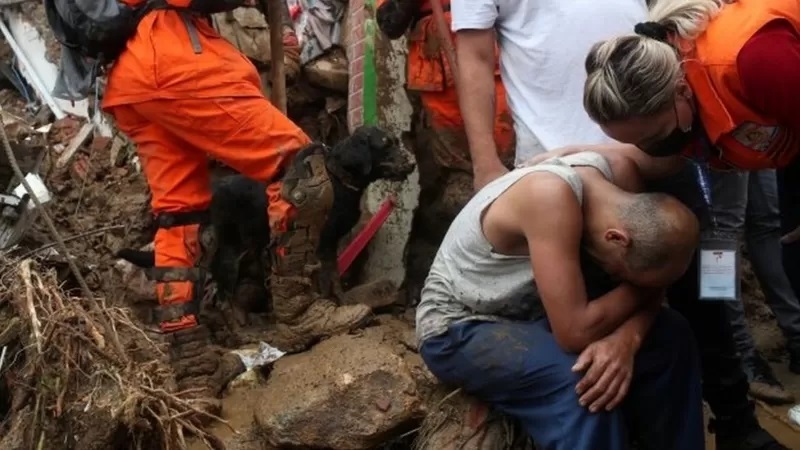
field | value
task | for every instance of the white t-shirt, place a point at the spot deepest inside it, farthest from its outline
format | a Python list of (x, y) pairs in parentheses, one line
[(543, 48)]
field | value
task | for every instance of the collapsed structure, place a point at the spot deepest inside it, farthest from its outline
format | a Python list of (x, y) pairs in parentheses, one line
[(87, 372)]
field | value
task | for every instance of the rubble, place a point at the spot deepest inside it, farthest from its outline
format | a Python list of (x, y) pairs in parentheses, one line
[(84, 373), (347, 393)]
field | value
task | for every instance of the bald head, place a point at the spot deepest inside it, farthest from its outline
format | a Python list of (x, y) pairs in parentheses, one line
[(661, 229)]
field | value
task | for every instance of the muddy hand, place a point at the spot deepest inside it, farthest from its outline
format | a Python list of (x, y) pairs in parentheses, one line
[(608, 369)]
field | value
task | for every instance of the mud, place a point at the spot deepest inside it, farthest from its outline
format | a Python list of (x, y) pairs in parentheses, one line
[(100, 207)]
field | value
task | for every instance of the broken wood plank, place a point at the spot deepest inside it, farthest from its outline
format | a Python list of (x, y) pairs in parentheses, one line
[(74, 144)]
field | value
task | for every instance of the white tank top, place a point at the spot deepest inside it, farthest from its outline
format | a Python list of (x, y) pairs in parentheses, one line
[(468, 281)]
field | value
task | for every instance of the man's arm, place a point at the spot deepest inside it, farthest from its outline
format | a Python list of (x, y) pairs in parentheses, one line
[(473, 21), (554, 239), (650, 168)]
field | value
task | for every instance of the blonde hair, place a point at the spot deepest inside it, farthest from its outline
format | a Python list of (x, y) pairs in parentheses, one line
[(635, 75)]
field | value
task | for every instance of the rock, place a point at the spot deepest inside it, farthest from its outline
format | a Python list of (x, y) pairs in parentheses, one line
[(347, 393), (329, 71), (375, 294), (247, 30), (100, 143)]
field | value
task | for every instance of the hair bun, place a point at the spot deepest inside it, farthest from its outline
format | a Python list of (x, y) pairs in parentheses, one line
[(652, 30)]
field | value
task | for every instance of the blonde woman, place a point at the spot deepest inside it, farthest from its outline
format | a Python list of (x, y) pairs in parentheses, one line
[(709, 79), (715, 82)]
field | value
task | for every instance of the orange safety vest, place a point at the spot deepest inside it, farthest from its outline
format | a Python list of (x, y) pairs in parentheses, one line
[(744, 138), (428, 70)]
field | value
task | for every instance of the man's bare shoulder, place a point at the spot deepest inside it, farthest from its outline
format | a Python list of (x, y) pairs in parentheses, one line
[(538, 193), (540, 206)]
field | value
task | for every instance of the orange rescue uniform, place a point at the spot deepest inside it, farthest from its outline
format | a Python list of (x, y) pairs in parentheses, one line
[(430, 74), (744, 138), (182, 93)]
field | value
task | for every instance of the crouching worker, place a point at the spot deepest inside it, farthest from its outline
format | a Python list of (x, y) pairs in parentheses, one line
[(182, 93), (505, 314)]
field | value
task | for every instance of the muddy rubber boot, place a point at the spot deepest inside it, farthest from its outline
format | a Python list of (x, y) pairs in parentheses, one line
[(763, 383), (322, 319), (196, 361), (303, 316)]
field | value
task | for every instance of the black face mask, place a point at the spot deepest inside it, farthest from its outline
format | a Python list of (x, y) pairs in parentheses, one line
[(675, 142), (671, 145)]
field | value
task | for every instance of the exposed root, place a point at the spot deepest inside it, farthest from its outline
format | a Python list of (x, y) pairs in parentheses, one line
[(64, 374)]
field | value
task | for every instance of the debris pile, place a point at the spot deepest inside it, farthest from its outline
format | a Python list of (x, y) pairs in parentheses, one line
[(80, 373)]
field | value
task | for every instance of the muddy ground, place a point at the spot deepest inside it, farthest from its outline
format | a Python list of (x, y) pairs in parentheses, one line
[(364, 390)]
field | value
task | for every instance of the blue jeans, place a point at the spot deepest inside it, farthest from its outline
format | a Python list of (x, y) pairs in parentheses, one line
[(746, 205), (520, 370)]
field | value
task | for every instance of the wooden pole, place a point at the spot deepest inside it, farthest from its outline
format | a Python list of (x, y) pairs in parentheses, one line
[(278, 71)]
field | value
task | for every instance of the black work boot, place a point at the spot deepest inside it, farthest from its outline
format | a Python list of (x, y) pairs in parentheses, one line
[(742, 435), (763, 383), (794, 360)]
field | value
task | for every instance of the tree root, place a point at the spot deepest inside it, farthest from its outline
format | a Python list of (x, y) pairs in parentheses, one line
[(65, 370)]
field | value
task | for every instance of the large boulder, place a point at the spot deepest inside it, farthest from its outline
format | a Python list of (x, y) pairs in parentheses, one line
[(347, 393)]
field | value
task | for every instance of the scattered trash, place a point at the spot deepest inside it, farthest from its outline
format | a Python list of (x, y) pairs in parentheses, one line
[(17, 210), (39, 189), (794, 415), (263, 355), (3, 357)]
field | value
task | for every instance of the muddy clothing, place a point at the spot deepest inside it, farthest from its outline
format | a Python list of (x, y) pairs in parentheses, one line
[(182, 93), (481, 327), (304, 317), (519, 369), (429, 74), (468, 281)]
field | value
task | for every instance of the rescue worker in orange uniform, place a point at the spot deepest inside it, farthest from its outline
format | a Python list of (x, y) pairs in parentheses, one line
[(430, 75), (182, 93), (443, 151)]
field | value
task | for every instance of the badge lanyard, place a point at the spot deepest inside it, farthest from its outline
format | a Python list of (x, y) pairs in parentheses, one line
[(718, 255)]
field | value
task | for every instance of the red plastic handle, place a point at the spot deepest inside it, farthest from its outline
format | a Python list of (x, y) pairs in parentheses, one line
[(357, 245)]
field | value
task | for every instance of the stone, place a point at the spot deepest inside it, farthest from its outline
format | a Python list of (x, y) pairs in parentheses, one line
[(347, 393), (100, 143), (247, 30), (375, 294), (329, 71)]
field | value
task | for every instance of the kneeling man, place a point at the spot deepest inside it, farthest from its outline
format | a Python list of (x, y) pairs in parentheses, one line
[(505, 313)]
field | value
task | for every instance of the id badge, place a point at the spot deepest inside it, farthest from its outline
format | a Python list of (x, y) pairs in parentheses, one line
[(718, 268)]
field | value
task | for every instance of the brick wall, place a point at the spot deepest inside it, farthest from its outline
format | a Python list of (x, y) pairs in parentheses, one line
[(355, 56)]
